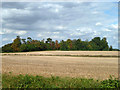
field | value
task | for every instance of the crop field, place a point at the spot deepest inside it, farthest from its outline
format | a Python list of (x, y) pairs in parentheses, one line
[(79, 53), (62, 63)]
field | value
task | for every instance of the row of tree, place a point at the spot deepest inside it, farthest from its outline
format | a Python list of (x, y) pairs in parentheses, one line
[(23, 45)]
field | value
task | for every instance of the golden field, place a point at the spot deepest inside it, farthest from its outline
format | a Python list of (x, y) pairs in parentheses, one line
[(36, 63)]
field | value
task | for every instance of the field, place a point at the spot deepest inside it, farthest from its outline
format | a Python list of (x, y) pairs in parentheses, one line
[(93, 64), (60, 69), (69, 53)]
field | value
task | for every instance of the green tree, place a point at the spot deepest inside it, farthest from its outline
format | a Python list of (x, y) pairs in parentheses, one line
[(23, 48), (7, 48), (110, 49), (69, 44), (29, 39), (63, 45), (49, 40), (16, 44), (74, 47), (104, 45), (23, 40), (37, 45), (96, 43)]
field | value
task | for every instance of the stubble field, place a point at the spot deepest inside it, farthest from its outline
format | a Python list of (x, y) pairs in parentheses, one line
[(65, 66)]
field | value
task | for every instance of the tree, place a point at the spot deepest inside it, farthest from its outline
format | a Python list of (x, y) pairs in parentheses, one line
[(57, 46), (63, 45), (23, 40), (23, 48), (53, 45), (74, 47), (96, 43), (69, 44), (29, 39), (43, 40), (16, 44), (7, 48), (37, 45), (49, 40), (78, 44), (110, 49), (104, 45)]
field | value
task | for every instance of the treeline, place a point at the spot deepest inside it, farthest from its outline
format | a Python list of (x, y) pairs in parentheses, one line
[(24, 45)]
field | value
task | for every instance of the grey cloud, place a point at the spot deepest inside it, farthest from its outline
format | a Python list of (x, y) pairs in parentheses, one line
[(17, 5), (40, 18)]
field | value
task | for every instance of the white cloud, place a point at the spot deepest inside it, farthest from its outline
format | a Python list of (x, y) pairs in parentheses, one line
[(7, 13), (71, 34), (115, 26), (67, 18), (5, 39), (115, 37), (20, 32), (85, 29), (60, 27), (1, 33), (39, 35), (52, 6), (56, 10), (96, 33), (112, 27), (107, 30), (6, 31), (98, 24), (56, 32), (56, 37), (95, 12)]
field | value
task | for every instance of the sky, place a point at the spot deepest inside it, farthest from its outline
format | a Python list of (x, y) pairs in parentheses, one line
[(60, 21)]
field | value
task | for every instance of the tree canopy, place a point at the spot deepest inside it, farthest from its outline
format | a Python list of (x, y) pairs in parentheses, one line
[(21, 45)]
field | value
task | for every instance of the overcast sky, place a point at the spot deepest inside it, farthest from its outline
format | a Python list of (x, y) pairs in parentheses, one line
[(60, 20)]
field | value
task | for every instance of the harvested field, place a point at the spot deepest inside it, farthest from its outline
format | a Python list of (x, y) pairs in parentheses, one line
[(87, 53), (64, 66)]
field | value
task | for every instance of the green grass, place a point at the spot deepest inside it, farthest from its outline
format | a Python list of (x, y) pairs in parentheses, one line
[(29, 81)]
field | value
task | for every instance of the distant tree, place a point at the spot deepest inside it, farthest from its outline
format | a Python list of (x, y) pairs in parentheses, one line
[(7, 48), (16, 44), (49, 40), (23, 40), (63, 45), (69, 44), (23, 48), (96, 43), (43, 40), (79, 44), (57, 45), (104, 44), (29, 39), (74, 47), (37, 45), (110, 49), (53, 45), (43, 46)]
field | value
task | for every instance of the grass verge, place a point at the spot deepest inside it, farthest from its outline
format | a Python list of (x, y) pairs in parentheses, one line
[(29, 81)]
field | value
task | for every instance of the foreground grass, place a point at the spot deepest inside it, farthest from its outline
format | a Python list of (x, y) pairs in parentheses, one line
[(29, 81)]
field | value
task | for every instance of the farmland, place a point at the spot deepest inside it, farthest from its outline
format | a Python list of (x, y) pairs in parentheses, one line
[(93, 64)]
